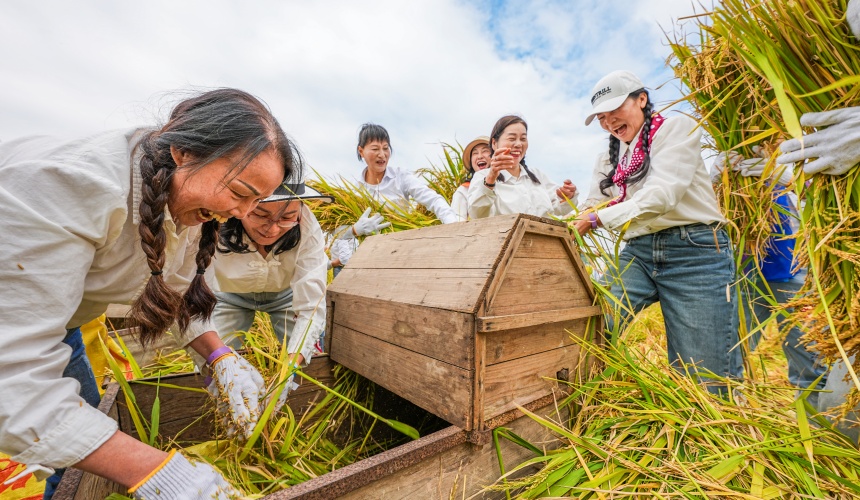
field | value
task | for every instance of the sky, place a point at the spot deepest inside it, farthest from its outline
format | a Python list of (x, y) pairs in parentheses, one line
[(431, 72)]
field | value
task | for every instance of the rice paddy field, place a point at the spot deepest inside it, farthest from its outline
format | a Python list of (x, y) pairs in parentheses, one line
[(637, 427)]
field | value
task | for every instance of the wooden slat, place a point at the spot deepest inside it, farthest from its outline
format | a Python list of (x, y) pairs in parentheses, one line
[(442, 335), (520, 381), (453, 290), (522, 320), (499, 273), (440, 388), (547, 227), (541, 246), (522, 342), (533, 285)]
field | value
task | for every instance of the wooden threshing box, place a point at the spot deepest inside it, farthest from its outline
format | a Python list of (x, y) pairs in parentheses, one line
[(465, 320)]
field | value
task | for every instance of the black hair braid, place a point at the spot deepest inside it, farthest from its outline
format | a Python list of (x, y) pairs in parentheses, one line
[(646, 145), (614, 147), (198, 299), (532, 176), (153, 311)]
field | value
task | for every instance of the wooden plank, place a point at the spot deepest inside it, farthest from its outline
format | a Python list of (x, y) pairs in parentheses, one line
[(463, 470), (440, 334), (440, 388), (500, 271), (533, 285), (522, 342), (522, 320), (541, 246), (480, 342), (523, 380), (453, 290), (547, 227)]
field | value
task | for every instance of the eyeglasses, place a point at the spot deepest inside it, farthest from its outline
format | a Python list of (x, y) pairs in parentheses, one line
[(284, 224)]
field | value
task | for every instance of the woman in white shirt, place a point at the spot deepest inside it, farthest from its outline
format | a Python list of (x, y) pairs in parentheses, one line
[(523, 189), (476, 157), (386, 183), (273, 261), (652, 186), (126, 217)]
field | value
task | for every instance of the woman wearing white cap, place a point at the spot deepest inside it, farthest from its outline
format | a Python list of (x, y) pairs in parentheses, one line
[(653, 187), (476, 157), (524, 189), (273, 261)]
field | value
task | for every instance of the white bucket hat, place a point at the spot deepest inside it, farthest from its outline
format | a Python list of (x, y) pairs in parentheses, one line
[(611, 92)]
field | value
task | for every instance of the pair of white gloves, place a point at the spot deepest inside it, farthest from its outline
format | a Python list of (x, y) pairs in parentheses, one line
[(365, 225), (836, 149)]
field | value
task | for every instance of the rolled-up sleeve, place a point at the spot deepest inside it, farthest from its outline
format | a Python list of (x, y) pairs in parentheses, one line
[(308, 285), (676, 145), (55, 215)]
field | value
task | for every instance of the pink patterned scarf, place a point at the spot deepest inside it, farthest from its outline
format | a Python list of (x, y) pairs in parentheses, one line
[(637, 158)]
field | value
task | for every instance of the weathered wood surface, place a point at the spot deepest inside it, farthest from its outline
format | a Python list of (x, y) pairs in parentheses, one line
[(522, 380), (521, 342), (439, 387), (491, 324), (440, 334), (532, 285)]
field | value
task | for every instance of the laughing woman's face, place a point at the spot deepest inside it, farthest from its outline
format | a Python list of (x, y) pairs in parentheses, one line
[(625, 121)]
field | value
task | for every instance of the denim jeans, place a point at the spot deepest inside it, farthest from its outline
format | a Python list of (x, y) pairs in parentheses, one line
[(803, 366), (689, 270), (836, 390), (79, 369), (235, 312)]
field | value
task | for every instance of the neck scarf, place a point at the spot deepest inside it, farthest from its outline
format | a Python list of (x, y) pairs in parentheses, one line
[(624, 170)]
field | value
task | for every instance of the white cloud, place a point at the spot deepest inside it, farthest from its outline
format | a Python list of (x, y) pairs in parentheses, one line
[(429, 71)]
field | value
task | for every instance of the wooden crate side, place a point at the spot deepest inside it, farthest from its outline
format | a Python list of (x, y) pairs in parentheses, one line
[(450, 289), (440, 388), (532, 285), (438, 333), (523, 380), (541, 246), (521, 342)]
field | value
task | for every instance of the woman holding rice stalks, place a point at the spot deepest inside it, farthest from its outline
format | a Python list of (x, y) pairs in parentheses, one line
[(127, 217), (476, 157), (525, 189), (653, 187), (391, 184), (273, 261)]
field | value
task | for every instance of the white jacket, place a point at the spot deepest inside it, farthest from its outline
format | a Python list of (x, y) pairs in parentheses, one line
[(70, 247), (516, 195), (677, 190), (460, 203), (399, 186), (303, 268)]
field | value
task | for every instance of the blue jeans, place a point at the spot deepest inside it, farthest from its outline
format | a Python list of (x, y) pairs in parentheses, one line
[(803, 366), (235, 312), (689, 270), (79, 368)]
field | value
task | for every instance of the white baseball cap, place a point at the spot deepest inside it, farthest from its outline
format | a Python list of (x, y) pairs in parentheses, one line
[(611, 92)]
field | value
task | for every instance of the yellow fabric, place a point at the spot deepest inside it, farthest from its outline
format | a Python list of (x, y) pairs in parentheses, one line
[(154, 472), (91, 333), (26, 488)]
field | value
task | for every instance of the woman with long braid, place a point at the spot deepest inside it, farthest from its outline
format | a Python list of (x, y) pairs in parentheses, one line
[(652, 186), (125, 217), (525, 189)]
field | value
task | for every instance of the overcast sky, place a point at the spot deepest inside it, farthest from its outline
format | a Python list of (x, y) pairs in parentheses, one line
[(429, 71)]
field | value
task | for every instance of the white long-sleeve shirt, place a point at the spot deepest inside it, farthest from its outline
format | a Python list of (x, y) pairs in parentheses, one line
[(303, 269), (516, 195), (460, 203), (343, 249), (399, 186), (677, 190), (70, 247)]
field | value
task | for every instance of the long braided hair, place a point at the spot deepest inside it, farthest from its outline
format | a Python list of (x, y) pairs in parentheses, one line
[(615, 147), (500, 126), (223, 123)]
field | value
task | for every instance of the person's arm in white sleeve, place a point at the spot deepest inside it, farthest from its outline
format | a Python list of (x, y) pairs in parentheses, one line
[(676, 154), (481, 198), (434, 201), (460, 203), (308, 285), (559, 207)]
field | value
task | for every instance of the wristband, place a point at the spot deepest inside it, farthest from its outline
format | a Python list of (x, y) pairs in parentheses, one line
[(593, 218), (488, 184), (217, 353)]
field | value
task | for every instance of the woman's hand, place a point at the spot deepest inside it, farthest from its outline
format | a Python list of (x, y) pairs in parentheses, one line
[(584, 224), (567, 191), (501, 160)]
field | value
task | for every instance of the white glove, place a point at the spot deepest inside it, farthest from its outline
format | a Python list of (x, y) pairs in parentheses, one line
[(178, 479), (837, 147), (290, 385), (754, 167), (852, 14), (369, 224), (241, 382)]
